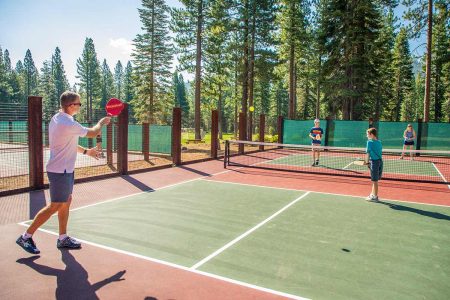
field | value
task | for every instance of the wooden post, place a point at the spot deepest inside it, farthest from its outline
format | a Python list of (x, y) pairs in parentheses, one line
[(214, 132), (327, 130), (262, 125), (122, 140), (146, 140), (35, 145), (242, 131), (109, 144), (280, 129), (10, 131), (420, 130), (176, 136)]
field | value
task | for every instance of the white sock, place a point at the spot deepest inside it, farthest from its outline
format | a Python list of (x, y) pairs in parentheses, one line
[(62, 236), (26, 235)]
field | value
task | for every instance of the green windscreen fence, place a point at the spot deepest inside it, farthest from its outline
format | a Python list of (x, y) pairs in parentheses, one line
[(391, 133), (297, 131), (161, 139), (347, 133), (435, 136)]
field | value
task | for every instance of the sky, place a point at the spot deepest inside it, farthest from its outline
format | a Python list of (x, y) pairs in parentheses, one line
[(43, 25)]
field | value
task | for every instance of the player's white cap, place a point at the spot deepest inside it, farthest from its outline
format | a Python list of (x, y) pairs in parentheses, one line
[(316, 121)]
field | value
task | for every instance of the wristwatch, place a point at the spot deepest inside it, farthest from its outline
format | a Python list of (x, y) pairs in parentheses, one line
[(85, 151)]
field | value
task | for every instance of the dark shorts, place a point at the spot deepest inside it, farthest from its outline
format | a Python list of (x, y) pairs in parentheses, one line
[(376, 169), (408, 143), (61, 186)]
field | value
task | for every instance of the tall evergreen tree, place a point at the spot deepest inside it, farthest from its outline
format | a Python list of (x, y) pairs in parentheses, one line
[(106, 83), (188, 24), (128, 84), (30, 75), (152, 59), (180, 96), (88, 69), (47, 90), (59, 74), (118, 79)]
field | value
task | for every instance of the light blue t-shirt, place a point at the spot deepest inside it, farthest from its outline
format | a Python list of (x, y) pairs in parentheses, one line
[(375, 149)]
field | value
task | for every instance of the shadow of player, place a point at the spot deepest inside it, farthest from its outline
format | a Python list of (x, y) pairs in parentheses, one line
[(72, 282)]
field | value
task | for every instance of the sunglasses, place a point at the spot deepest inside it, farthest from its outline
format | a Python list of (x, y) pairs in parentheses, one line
[(79, 104)]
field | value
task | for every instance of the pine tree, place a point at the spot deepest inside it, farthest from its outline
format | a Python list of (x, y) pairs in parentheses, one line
[(88, 69), (47, 90), (59, 74), (403, 80), (152, 59), (179, 91), (118, 79), (30, 75), (128, 84), (188, 24), (107, 84)]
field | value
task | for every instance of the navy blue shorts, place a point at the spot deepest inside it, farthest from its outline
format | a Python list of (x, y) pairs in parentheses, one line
[(61, 186), (408, 143), (376, 169)]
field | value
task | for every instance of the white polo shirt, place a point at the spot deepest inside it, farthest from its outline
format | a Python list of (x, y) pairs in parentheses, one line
[(63, 133)]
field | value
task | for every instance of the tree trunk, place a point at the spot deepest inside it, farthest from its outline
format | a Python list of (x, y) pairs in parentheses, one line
[(426, 104), (245, 70), (198, 69), (220, 112), (251, 72), (318, 89)]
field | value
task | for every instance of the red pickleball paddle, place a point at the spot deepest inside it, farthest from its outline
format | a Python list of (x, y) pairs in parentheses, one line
[(114, 107)]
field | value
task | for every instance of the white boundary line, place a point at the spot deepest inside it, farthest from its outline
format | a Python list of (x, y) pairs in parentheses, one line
[(180, 267), (218, 251), (442, 176), (325, 193)]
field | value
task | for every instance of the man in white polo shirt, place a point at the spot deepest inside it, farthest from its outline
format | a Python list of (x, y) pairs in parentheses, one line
[(64, 132)]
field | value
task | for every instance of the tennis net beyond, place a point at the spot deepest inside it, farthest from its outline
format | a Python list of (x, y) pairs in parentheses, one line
[(430, 166)]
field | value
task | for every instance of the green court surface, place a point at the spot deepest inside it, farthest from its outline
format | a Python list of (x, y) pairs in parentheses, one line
[(398, 166), (312, 245)]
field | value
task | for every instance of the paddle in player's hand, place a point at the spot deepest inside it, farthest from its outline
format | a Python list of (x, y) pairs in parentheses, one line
[(113, 108)]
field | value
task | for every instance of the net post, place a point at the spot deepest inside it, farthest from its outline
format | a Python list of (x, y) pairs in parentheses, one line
[(35, 146), (176, 136), (146, 140), (122, 140), (242, 131), (109, 144), (262, 126), (227, 154), (280, 129), (10, 131), (214, 132), (327, 129)]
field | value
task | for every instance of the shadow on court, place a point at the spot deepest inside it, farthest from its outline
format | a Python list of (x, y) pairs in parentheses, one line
[(421, 212), (194, 171), (140, 185), (72, 282), (37, 202)]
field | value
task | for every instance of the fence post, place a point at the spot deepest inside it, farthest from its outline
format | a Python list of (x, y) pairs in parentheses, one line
[(176, 136), (90, 144), (262, 126), (122, 151), (242, 131), (35, 147), (280, 129), (419, 134), (214, 132), (146, 140), (327, 129), (109, 144)]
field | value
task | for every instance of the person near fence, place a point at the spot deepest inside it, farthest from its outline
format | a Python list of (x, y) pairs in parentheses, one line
[(409, 135), (64, 132), (316, 140), (374, 159)]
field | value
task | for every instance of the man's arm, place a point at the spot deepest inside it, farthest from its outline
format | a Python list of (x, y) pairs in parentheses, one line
[(89, 152), (97, 129)]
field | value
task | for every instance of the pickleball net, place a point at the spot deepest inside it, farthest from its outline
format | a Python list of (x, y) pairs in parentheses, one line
[(428, 166)]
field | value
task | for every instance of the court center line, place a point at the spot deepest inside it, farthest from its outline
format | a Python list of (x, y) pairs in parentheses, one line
[(218, 251), (440, 174), (316, 192), (180, 267)]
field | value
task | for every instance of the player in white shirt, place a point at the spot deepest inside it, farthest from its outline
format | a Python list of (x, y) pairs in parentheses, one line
[(64, 132)]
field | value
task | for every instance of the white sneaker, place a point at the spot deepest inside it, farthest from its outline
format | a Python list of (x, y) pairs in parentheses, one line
[(372, 198)]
